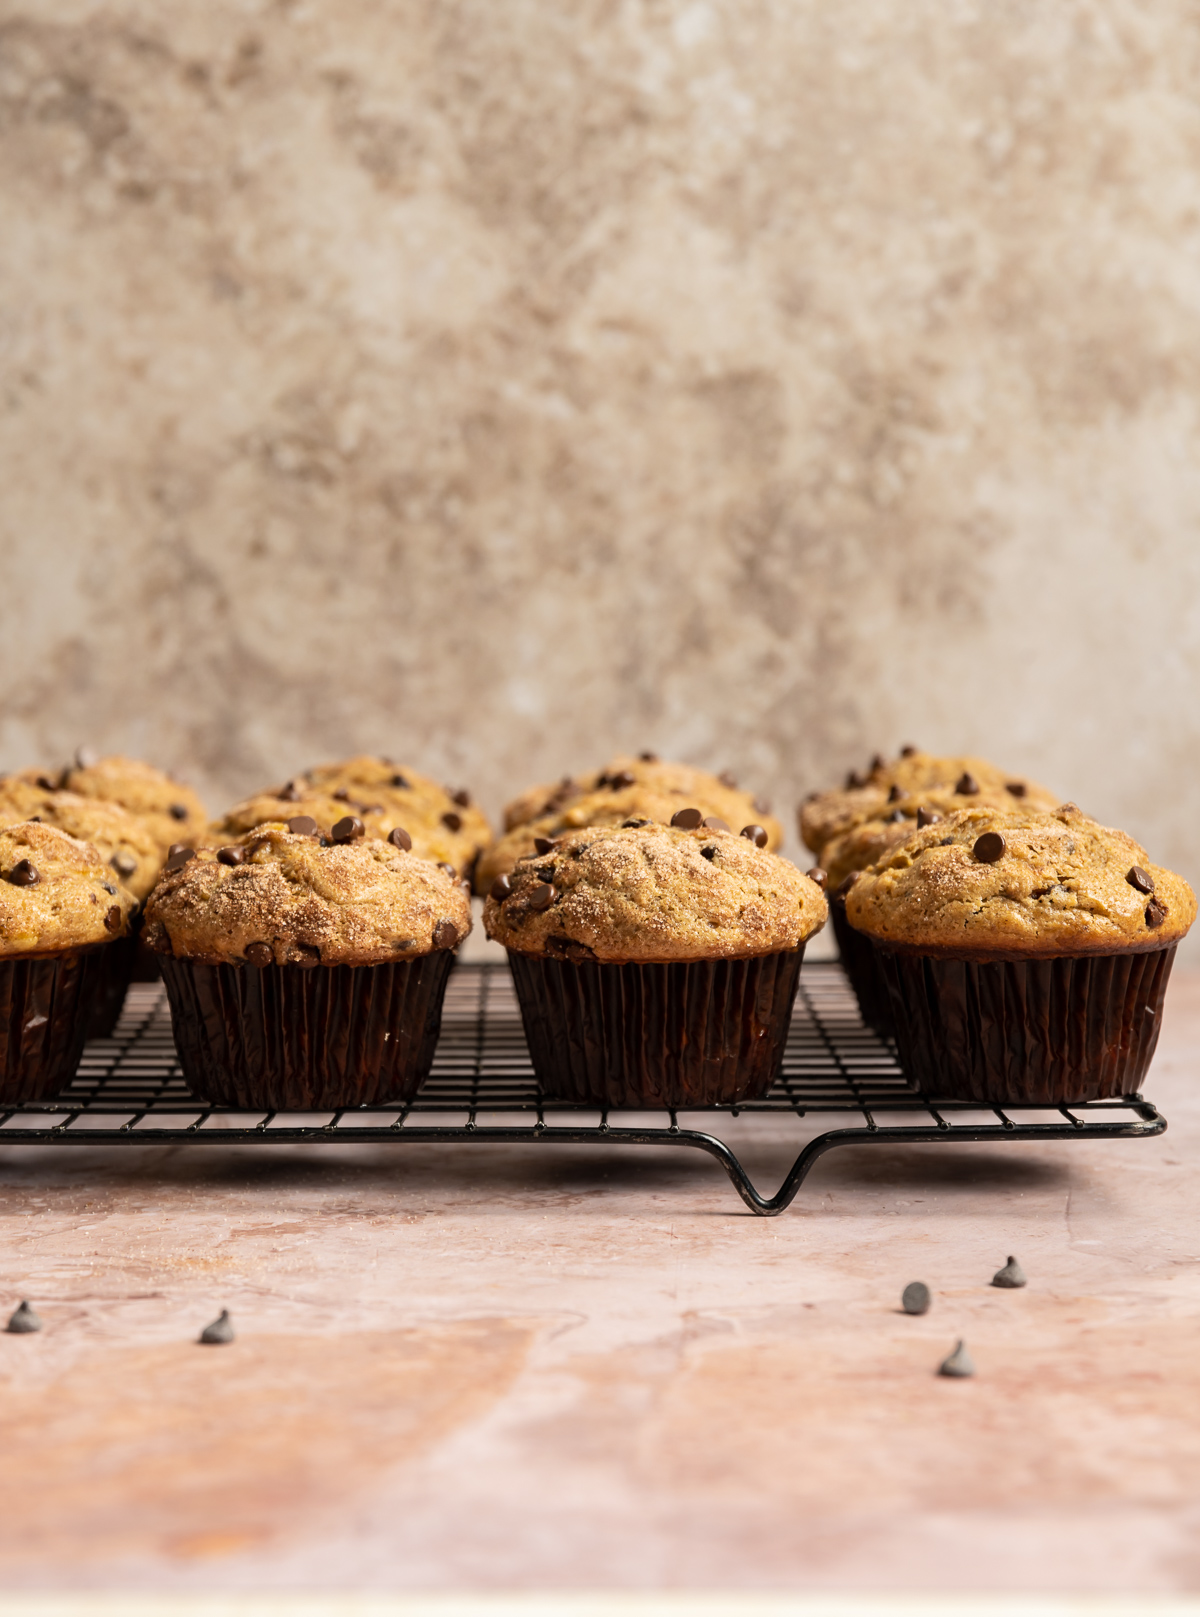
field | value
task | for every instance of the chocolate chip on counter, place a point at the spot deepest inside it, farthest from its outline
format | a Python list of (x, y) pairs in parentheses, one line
[(815, 873), (260, 954), (907, 750), (966, 785), (348, 829), (501, 889), (303, 825), (687, 819), (647, 758), (462, 797), (713, 822), (927, 817), (24, 873), (916, 1297), (761, 805), (452, 821), (542, 896), (1141, 879), (23, 1321), (845, 885), (1156, 913), (621, 780), (445, 935), (989, 847), (399, 838), (895, 794), (85, 758), (1011, 1276), (220, 1331), (231, 855), (544, 845), (112, 920), (709, 853), (754, 833), (728, 778), (449, 869), (401, 781), (1015, 788), (178, 855), (341, 795), (959, 1364)]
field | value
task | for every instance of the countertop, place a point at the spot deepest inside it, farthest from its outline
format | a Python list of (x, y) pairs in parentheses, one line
[(533, 1367)]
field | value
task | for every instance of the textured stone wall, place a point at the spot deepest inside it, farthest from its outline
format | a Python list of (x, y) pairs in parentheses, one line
[(500, 384)]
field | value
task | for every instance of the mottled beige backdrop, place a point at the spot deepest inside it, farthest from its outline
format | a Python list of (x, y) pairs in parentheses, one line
[(497, 383)]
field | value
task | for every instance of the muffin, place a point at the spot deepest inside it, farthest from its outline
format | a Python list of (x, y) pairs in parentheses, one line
[(305, 975), (655, 965), (826, 815), (443, 825), (1026, 954), (60, 912), (715, 794), (168, 809)]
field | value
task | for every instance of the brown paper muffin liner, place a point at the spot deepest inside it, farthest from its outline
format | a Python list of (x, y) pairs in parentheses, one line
[(300, 1038), (1027, 1032), (45, 1005), (677, 1033), (861, 966), (116, 973)]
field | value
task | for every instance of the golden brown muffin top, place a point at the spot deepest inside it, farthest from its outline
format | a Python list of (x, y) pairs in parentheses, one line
[(715, 794), (171, 811), (826, 815), (281, 897), (990, 883), (55, 893), (444, 826), (123, 841), (653, 892), (864, 844)]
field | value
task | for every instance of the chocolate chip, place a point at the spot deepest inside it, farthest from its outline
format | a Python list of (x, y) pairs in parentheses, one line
[(895, 794), (621, 780), (959, 1364), (289, 793), (231, 855), (125, 864), (915, 1298), (728, 778), (966, 785), (989, 847), (449, 869), (946, 842), (109, 889), (853, 782), (815, 873), (501, 889), (401, 781), (308, 955), (634, 825), (714, 823), (761, 805), (542, 896), (1141, 879), (897, 815), (47, 784), (452, 821), (927, 817), (177, 811), (23, 1321), (219, 1332), (341, 795), (303, 825), (24, 873), (177, 856), (1015, 788), (687, 819), (112, 921), (907, 750), (399, 838), (445, 935), (647, 758), (1011, 1277), (260, 954), (709, 853), (1156, 913), (754, 833), (462, 797), (844, 886), (577, 953), (348, 829), (85, 758), (1067, 808), (877, 764), (544, 844)]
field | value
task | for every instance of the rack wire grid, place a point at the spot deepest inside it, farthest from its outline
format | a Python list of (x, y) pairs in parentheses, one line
[(129, 1091)]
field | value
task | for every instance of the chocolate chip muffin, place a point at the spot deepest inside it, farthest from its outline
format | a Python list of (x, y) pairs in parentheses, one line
[(655, 965), (714, 794), (60, 911), (128, 849), (1026, 953), (306, 975), (169, 810), (918, 775)]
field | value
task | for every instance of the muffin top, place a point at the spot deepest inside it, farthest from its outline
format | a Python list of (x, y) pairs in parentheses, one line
[(123, 841), (56, 893), (444, 826), (281, 897), (986, 883), (826, 815), (715, 794), (169, 810), (866, 843), (653, 892)]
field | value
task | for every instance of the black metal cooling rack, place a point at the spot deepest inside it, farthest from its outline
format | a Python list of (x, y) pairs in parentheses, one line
[(128, 1091)]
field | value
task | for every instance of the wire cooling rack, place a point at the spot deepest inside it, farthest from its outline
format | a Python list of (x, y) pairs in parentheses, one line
[(129, 1091)]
